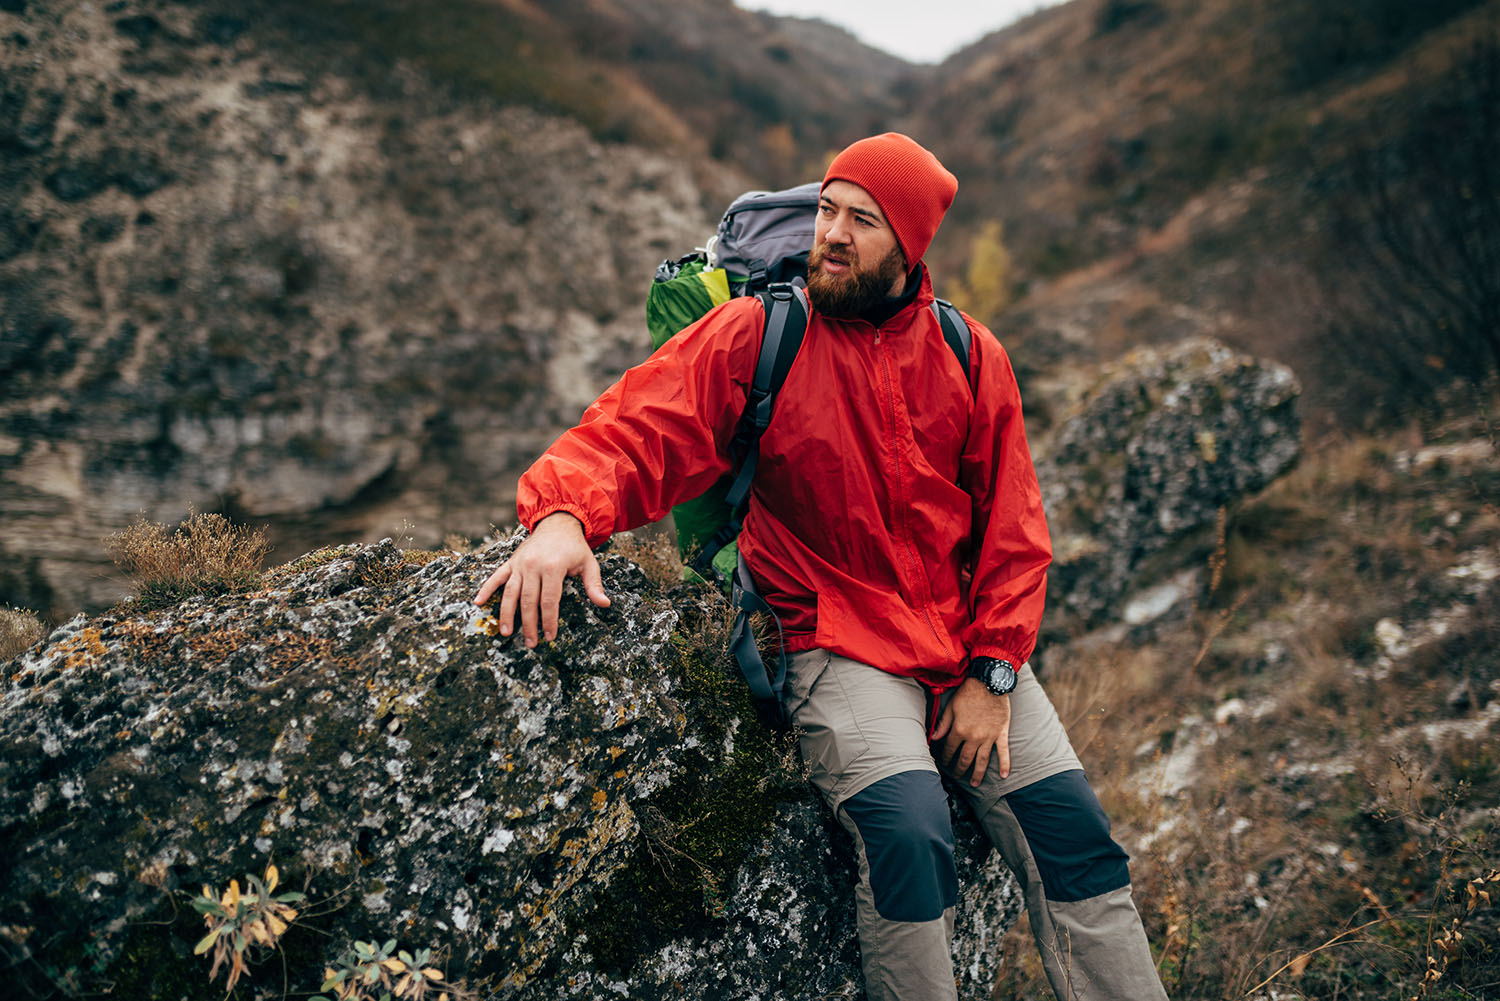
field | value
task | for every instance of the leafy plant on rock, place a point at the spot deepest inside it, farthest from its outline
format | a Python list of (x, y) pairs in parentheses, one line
[(238, 922), (382, 973)]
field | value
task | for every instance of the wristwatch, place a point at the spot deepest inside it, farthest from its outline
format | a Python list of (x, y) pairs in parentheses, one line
[(999, 676)]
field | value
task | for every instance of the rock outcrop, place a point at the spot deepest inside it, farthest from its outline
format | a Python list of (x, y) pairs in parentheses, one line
[(1162, 441), (597, 815)]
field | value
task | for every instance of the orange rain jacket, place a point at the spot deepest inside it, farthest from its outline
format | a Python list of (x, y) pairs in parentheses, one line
[(895, 516)]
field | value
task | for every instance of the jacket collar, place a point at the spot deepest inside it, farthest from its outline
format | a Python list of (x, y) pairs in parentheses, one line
[(883, 311)]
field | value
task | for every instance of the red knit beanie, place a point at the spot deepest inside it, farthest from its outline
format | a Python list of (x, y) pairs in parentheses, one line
[(906, 181)]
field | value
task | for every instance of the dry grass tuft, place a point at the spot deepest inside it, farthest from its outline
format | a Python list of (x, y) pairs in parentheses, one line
[(205, 555), (655, 552), (18, 630)]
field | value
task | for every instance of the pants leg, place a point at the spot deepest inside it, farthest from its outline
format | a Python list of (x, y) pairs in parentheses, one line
[(1048, 825), (864, 739), (1055, 838)]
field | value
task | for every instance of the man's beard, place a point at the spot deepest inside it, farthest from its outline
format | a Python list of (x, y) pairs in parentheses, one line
[(856, 291)]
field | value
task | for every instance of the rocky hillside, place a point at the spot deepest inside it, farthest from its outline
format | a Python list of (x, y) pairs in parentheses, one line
[(1168, 168), (240, 282)]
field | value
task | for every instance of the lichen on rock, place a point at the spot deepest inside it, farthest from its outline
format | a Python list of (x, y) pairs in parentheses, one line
[(1165, 438), (596, 811)]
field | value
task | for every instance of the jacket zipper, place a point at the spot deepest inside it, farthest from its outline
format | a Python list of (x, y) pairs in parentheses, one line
[(900, 510)]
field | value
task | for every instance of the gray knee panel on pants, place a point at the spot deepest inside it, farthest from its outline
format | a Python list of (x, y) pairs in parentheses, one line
[(1068, 834), (908, 839)]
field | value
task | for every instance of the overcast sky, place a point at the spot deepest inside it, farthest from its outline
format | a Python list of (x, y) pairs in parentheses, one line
[(919, 31)]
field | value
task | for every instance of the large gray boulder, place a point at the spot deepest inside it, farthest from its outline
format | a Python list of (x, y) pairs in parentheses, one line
[(1163, 440), (596, 816)]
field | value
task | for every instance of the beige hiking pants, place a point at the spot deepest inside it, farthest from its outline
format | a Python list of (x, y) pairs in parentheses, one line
[(864, 738)]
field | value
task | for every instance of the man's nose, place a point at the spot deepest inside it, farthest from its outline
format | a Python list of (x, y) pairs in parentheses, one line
[(838, 231)]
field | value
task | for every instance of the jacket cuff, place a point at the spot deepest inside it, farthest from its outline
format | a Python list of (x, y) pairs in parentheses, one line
[(594, 539), (997, 654)]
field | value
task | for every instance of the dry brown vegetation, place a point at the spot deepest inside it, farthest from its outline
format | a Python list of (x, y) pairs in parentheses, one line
[(18, 630), (1306, 767), (205, 555), (1410, 273)]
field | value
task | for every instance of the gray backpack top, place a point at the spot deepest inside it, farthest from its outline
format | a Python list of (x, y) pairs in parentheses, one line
[(764, 237)]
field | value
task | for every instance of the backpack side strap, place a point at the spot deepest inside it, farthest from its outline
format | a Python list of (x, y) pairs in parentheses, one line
[(956, 333), (768, 691)]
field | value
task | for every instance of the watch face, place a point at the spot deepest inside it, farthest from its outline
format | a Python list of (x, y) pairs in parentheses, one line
[(1001, 678)]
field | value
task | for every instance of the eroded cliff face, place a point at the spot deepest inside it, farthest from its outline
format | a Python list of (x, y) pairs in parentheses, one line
[(597, 816), (236, 280)]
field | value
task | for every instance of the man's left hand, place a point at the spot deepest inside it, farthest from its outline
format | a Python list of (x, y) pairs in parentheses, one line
[(975, 722)]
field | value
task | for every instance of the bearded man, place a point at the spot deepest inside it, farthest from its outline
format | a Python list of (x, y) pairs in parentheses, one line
[(896, 529)]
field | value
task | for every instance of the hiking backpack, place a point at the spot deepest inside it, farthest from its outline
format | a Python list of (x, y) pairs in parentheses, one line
[(760, 248)]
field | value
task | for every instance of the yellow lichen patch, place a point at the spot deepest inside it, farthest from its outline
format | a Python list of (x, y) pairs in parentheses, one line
[(83, 649), (600, 800), (615, 752), (615, 824), (1208, 446)]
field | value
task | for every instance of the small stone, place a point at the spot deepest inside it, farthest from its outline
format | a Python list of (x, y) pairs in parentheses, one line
[(1228, 712), (1460, 697)]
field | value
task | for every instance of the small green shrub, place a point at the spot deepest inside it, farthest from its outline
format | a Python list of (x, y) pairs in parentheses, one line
[(206, 555)]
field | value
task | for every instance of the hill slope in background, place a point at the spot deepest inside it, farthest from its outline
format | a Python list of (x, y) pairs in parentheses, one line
[(1165, 167), (331, 264), (768, 96)]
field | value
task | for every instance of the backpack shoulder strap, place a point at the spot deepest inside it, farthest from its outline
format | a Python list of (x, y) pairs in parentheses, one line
[(956, 333), (785, 325)]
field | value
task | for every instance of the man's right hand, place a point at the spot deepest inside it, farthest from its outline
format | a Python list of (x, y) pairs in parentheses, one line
[(533, 577)]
